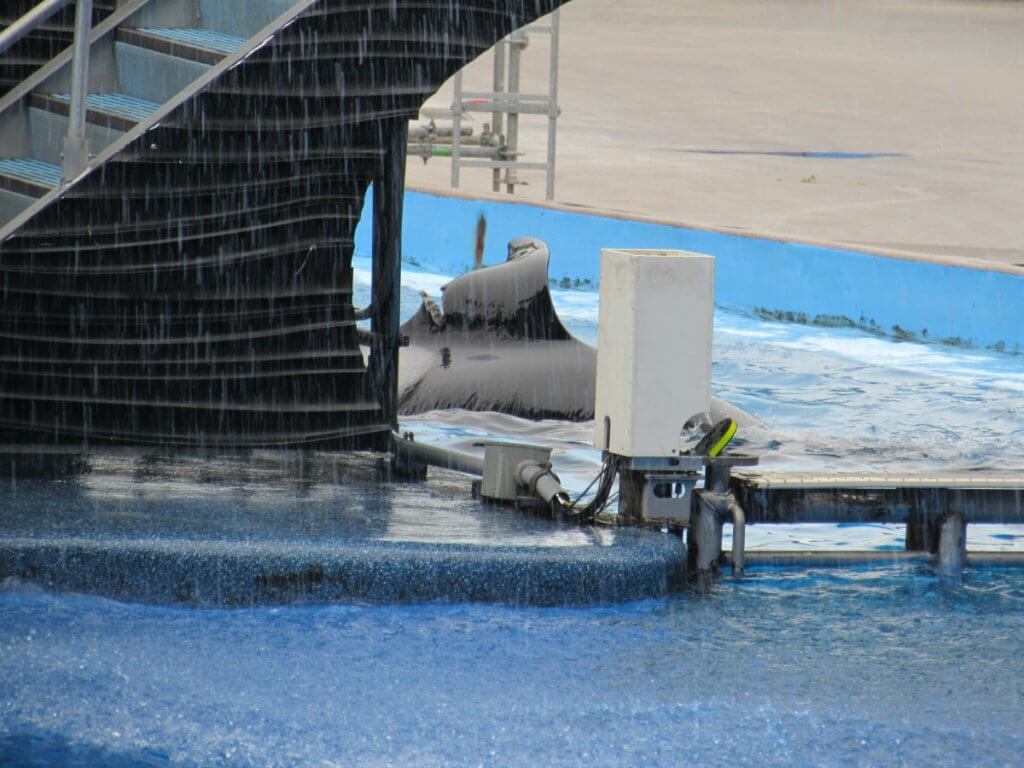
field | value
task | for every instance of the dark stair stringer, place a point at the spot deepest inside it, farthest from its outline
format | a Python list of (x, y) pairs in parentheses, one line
[(195, 290)]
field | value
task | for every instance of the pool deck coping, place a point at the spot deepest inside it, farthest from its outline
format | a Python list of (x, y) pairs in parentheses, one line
[(961, 262)]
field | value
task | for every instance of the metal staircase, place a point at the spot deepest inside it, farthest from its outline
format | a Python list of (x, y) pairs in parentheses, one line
[(191, 286)]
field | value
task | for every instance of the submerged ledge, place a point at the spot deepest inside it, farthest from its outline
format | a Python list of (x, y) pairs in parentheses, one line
[(273, 529)]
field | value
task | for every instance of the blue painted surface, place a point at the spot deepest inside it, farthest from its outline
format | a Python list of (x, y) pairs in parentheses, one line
[(117, 104), (153, 76), (201, 38), (30, 169), (981, 308)]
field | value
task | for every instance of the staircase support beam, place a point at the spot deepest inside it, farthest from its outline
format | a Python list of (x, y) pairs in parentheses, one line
[(388, 194), (76, 145)]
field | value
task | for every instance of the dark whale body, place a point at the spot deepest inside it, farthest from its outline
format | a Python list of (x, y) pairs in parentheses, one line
[(500, 346)]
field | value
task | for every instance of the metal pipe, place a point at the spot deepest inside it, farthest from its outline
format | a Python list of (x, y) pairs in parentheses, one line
[(497, 119), (448, 150), (517, 41), (705, 536), (436, 456), (76, 144), (29, 21), (542, 481), (739, 535), (552, 106), (456, 129), (952, 551), (423, 132)]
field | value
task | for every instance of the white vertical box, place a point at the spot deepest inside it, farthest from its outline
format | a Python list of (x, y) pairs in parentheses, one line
[(653, 349)]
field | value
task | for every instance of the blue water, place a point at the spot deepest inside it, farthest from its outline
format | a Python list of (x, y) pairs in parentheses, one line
[(860, 667)]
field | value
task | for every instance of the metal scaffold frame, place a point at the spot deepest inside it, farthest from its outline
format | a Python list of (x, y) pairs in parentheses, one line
[(506, 103)]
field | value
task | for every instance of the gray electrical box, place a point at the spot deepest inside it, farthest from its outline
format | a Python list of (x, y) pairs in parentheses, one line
[(653, 349)]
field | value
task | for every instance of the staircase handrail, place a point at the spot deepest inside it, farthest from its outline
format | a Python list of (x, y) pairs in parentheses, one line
[(29, 21)]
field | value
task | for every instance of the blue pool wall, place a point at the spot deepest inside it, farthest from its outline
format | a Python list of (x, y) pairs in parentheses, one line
[(901, 297)]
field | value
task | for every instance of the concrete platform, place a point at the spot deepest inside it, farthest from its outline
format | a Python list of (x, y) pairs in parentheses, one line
[(889, 125), (284, 528)]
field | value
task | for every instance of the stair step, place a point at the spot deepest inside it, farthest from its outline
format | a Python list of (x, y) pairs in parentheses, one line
[(201, 45), (201, 38), (28, 176), (116, 104), (117, 111)]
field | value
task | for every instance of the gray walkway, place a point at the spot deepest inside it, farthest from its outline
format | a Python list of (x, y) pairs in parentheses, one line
[(700, 113)]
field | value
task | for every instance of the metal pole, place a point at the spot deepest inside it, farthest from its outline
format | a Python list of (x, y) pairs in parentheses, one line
[(76, 145), (952, 545), (704, 541), (552, 106), (456, 129), (388, 194), (497, 118), (29, 21), (516, 42), (739, 534)]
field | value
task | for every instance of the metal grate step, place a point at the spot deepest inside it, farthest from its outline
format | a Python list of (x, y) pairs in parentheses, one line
[(29, 169), (201, 38), (116, 104)]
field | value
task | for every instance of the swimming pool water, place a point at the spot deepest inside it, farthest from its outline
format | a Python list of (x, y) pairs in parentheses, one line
[(863, 667), (860, 667)]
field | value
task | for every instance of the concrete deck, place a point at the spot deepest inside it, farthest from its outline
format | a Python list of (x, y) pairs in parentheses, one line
[(885, 124)]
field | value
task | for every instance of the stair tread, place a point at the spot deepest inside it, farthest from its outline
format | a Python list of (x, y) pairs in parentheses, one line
[(116, 103), (197, 36), (32, 170)]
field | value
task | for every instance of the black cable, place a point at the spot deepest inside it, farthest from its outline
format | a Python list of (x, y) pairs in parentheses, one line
[(605, 480)]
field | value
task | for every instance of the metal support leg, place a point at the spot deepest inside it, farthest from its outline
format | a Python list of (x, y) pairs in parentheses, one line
[(739, 535), (388, 194), (76, 145), (952, 550), (704, 542)]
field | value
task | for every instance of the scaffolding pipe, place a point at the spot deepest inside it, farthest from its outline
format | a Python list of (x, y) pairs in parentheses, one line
[(497, 121), (549, 192)]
